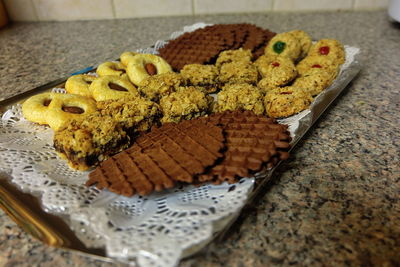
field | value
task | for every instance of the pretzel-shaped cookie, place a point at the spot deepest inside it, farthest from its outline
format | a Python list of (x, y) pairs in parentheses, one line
[(126, 57), (142, 66), (79, 84), (112, 87), (64, 107), (36, 107), (111, 68), (55, 109)]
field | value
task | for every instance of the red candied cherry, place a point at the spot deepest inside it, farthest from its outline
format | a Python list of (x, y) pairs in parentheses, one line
[(316, 66), (275, 64), (324, 50)]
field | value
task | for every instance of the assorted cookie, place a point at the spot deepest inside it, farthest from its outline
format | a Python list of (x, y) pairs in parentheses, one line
[(202, 110)]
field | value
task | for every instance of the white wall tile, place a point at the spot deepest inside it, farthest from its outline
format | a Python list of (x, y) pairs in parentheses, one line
[(73, 9), (231, 6), (370, 4), (295, 5), (151, 8), (20, 10)]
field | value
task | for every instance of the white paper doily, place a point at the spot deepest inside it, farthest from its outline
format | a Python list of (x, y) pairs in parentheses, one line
[(157, 230)]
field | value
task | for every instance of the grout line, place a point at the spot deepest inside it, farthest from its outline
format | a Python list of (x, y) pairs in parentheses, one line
[(35, 10), (113, 9)]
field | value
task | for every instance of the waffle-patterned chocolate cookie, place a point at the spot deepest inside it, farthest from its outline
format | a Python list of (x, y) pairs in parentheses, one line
[(160, 158), (203, 45), (252, 141)]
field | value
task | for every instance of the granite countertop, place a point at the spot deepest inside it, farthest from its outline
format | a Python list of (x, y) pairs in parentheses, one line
[(334, 202)]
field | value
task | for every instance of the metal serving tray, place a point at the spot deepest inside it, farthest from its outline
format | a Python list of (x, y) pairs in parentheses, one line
[(26, 209)]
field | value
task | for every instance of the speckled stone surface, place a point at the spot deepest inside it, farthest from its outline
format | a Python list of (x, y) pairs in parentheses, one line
[(335, 202)]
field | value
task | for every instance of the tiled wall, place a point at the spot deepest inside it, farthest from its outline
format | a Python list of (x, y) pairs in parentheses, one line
[(46, 10)]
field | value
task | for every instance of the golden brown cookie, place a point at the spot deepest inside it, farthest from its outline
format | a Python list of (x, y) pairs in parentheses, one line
[(329, 48), (238, 72), (160, 85), (240, 96), (284, 44), (86, 141), (286, 101), (305, 41), (318, 62), (314, 81), (275, 70), (185, 104), (238, 55), (135, 114), (205, 76)]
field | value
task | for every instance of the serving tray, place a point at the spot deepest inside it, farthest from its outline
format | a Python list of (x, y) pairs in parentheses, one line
[(50, 201)]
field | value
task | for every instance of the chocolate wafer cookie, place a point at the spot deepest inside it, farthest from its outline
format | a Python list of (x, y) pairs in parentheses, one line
[(158, 159), (252, 141), (202, 46)]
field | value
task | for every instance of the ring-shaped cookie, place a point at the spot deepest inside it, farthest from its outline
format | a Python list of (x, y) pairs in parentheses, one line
[(112, 87), (35, 108), (64, 107), (79, 84), (126, 57), (111, 68), (142, 66)]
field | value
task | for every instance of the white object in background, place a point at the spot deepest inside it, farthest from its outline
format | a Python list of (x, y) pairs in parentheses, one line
[(394, 10)]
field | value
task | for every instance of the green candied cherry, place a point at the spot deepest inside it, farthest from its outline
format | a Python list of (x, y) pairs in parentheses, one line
[(279, 47)]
